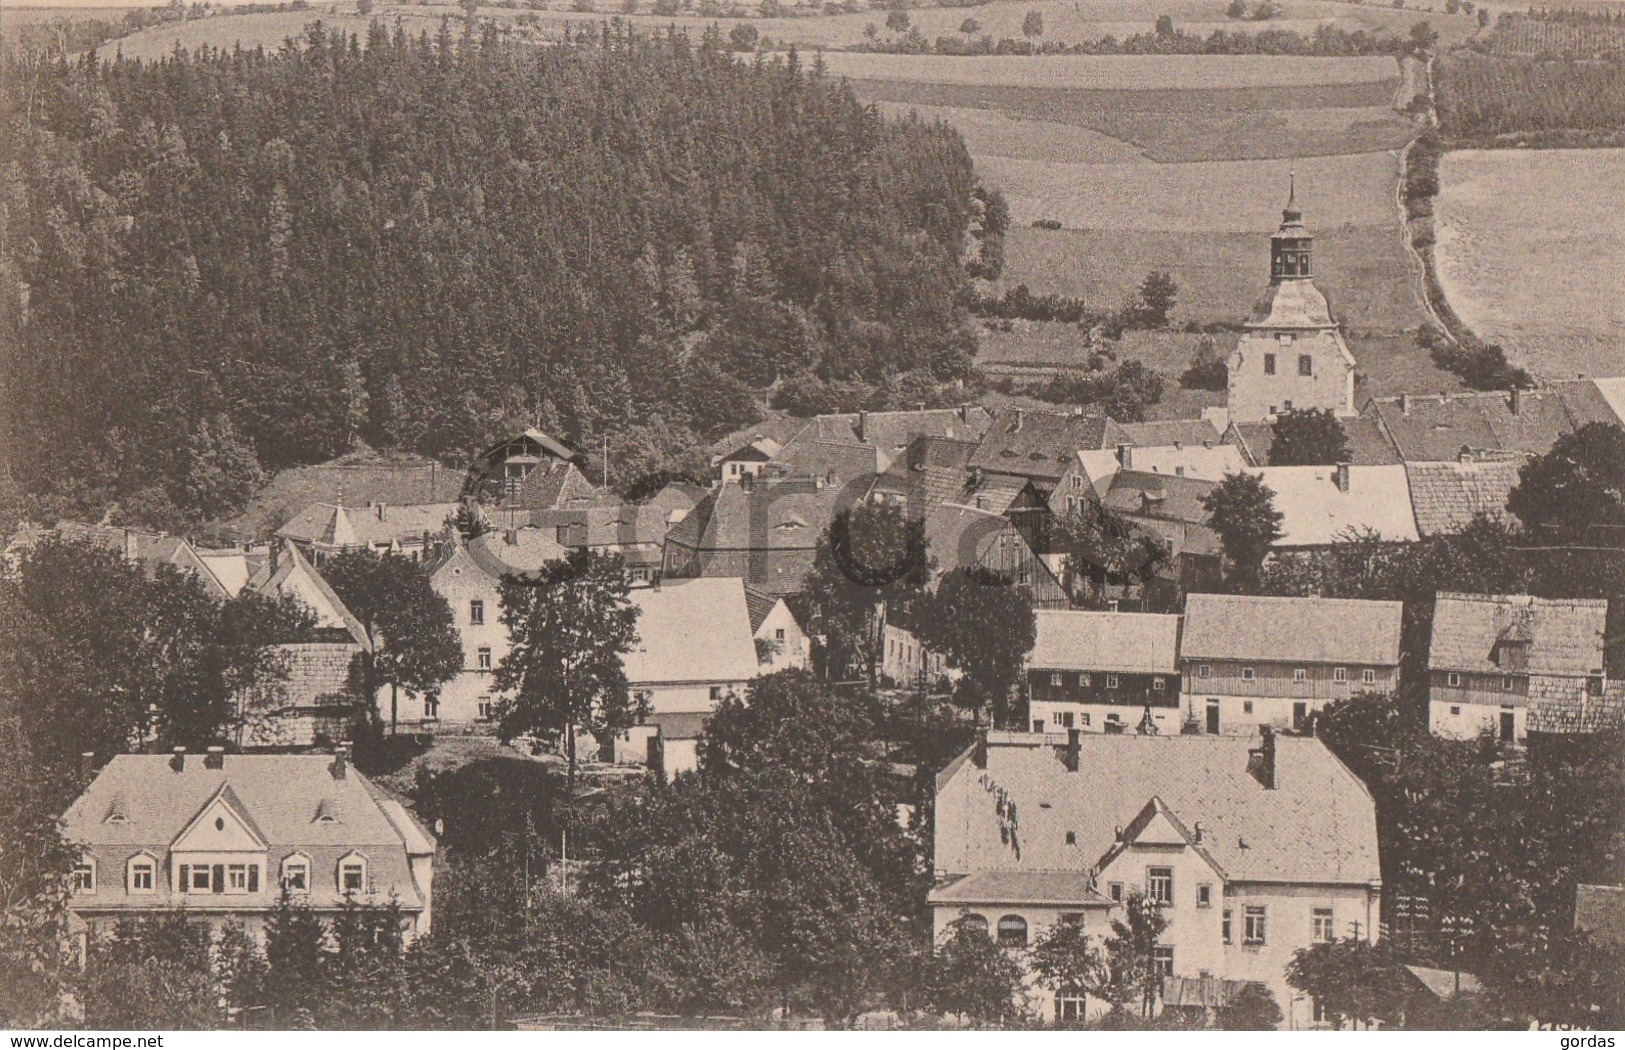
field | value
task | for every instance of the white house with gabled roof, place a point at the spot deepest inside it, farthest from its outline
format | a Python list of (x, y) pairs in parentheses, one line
[(219, 836), (1253, 847)]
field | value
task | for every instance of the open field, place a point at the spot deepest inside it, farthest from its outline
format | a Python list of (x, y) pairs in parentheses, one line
[(1531, 254), (1216, 197), (1361, 270), (1113, 72)]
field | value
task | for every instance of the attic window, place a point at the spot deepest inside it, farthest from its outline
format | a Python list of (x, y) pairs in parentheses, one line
[(327, 812), (220, 823), (117, 812)]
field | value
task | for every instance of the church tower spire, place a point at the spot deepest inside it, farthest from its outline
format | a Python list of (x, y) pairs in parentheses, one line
[(1291, 246)]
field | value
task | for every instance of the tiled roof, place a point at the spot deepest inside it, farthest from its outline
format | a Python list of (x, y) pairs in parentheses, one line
[(693, 630), (1431, 429), (1368, 445), (1316, 513), (278, 794), (1133, 643), (891, 433), (555, 484), (514, 551), (332, 525), (1202, 462), (318, 673), (1565, 636), (1170, 498), (1318, 825), (766, 515), (1170, 432), (1447, 496), (838, 461), (760, 450), (1064, 888), (1292, 304), (958, 536), (1291, 630), (150, 550), (1040, 445), (760, 605), (1445, 984)]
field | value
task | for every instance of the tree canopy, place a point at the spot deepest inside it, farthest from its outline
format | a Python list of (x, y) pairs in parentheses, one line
[(1307, 437), (591, 236), (984, 625), (1241, 509)]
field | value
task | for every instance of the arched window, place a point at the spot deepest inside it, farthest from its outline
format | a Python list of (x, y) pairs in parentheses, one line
[(973, 923), (1012, 932)]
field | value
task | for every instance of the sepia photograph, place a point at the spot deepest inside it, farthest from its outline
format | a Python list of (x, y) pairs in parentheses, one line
[(618, 518)]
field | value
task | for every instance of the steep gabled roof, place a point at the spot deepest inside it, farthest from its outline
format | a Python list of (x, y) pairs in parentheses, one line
[(1168, 432), (1040, 445), (1564, 636), (289, 573), (760, 605), (1317, 826), (890, 433), (1486, 424), (334, 525), (556, 484), (1291, 630)]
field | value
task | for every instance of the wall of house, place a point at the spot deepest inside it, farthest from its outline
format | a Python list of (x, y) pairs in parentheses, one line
[(794, 648), (1193, 931), (1040, 919), (1133, 690), (1473, 706), (1272, 695), (1056, 718), (1254, 394), (672, 698), (1289, 925), (903, 658)]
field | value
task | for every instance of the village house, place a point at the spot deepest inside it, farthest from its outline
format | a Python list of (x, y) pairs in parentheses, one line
[(1092, 472), (1367, 445), (496, 475), (323, 530), (959, 536), (1249, 661), (888, 434), (219, 837), (1171, 508), (1041, 446), (152, 551), (1291, 353), (1446, 497), (748, 458), (781, 644), (1255, 847), (764, 530), (1104, 672), (695, 648), (906, 663), (1510, 665)]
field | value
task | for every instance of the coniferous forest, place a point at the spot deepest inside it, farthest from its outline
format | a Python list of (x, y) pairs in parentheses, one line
[(232, 262)]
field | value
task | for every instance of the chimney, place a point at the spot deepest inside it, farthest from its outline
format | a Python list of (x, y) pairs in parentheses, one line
[(341, 761), (1125, 456), (863, 426), (1404, 404), (978, 755), (1196, 833), (178, 761), (1207, 442), (1515, 402), (964, 411), (215, 758), (379, 507), (1074, 749), (87, 766), (1342, 476), (510, 537), (1261, 759), (1179, 446), (1020, 416)]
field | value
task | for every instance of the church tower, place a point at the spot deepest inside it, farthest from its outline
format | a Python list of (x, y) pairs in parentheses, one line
[(1291, 353)]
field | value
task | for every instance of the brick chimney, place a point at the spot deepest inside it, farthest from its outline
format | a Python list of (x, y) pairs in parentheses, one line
[(964, 411), (1020, 417), (1125, 456), (1342, 476), (215, 758), (1261, 759), (1074, 749), (1515, 401), (87, 766), (177, 761), (381, 507), (1404, 404), (341, 761), (863, 426)]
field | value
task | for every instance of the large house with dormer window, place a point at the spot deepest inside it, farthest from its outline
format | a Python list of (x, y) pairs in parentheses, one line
[(219, 836), (1253, 847)]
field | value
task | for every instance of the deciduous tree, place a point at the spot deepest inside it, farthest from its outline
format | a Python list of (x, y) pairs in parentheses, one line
[(1307, 437), (1241, 509), (983, 625)]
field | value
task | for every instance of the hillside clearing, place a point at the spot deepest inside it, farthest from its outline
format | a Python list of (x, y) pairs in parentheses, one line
[(1531, 254)]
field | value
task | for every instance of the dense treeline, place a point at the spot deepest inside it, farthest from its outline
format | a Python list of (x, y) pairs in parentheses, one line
[(229, 261), (1548, 103)]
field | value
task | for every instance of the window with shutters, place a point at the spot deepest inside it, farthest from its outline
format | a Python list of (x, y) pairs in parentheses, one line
[(237, 878)]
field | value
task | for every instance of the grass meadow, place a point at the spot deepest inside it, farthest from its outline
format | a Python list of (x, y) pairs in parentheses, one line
[(1531, 254)]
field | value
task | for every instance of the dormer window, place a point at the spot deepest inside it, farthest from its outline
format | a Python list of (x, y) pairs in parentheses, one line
[(141, 873), (327, 812), (118, 811), (352, 875), (83, 876), (296, 874)]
